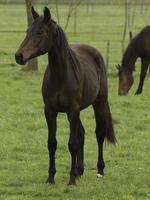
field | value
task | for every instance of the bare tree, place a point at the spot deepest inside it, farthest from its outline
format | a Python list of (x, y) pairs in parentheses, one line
[(57, 11), (125, 24), (32, 64), (107, 54), (72, 9), (128, 20)]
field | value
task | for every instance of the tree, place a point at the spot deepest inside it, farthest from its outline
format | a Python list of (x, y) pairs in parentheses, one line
[(73, 5), (33, 63), (72, 9)]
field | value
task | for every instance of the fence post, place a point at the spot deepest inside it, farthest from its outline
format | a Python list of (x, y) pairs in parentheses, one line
[(142, 6), (107, 54), (130, 36), (75, 22), (87, 8), (125, 24)]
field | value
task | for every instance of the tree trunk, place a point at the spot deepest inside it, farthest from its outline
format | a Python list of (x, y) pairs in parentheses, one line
[(33, 63)]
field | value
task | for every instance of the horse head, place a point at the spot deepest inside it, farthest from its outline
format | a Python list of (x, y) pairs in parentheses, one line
[(39, 37), (125, 80)]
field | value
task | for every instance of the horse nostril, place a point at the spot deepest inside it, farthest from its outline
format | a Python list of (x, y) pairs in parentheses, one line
[(19, 58)]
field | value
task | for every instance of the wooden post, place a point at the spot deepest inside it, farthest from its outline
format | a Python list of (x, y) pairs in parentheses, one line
[(87, 8), (92, 7), (133, 15), (142, 6), (57, 12), (107, 54), (130, 36), (75, 22), (128, 13), (125, 25)]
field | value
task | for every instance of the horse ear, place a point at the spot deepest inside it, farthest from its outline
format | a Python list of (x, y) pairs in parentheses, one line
[(47, 14), (34, 13)]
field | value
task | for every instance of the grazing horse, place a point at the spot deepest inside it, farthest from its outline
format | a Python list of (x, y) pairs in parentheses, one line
[(138, 47), (74, 79)]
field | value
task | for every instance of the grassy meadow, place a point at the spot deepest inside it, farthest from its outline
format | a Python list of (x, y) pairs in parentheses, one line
[(23, 130)]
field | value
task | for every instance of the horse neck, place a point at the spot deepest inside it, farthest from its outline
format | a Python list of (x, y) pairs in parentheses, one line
[(58, 66), (129, 58), (58, 59)]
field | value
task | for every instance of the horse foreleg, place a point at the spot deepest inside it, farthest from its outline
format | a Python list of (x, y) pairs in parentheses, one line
[(144, 67), (52, 143), (80, 153), (73, 144)]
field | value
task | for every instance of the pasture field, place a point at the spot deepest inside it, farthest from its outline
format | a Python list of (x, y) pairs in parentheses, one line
[(23, 130)]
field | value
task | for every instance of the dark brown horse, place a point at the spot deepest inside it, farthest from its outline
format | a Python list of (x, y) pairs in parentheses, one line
[(138, 47), (74, 79)]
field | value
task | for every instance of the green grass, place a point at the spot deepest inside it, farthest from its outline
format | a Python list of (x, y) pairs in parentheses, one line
[(23, 130)]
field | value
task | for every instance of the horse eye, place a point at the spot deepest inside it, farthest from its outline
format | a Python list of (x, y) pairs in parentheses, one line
[(39, 33)]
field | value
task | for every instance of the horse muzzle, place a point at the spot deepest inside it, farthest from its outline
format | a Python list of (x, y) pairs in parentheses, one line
[(20, 58)]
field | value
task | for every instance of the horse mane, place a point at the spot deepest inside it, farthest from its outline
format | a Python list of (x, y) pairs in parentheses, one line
[(62, 55), (61, 40), (130, 54)]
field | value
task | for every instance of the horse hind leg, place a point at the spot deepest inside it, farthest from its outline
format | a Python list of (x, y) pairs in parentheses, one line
[(100, 135), (104, 128), (80, 153)]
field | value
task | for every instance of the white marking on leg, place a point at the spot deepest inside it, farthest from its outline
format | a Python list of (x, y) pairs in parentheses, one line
[(99, 175)]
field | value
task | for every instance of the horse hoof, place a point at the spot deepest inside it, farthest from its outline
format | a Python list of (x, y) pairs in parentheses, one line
[(138, 93), (79, 173), (50, 181), (72, 184), (99, 175)]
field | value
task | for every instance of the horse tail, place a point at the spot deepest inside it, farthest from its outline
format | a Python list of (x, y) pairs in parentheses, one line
[(107, 117), (110, 134)]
